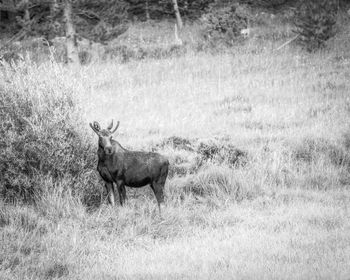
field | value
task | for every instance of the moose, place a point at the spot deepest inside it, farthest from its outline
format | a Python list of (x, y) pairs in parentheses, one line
[(134, 169)]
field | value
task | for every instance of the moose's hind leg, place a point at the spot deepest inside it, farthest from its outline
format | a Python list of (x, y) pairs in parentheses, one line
[(158, 189), (158, 185)]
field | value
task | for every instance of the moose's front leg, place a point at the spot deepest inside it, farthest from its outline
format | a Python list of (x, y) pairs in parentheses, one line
[(110, 193), (121, 191)]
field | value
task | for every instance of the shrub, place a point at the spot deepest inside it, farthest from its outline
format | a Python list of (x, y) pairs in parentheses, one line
[(224, 24), (40, 141), (187, 156), (315, 21), (220, 153)]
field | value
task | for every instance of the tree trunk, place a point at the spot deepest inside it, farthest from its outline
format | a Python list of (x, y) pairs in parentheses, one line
[(26, 11), (71, 45), (148, 17), (177, 14), (178, 41)]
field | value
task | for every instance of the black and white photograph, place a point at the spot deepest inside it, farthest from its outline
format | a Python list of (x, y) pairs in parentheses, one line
[(174, 139)]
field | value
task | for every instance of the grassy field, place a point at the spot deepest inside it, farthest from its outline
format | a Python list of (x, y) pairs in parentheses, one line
[(281, 211)]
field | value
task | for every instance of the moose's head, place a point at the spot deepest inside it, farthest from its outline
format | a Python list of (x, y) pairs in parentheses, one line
[(104, 136)]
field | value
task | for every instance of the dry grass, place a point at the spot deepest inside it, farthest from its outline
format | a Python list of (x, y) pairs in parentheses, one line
[(296, 234), (282, 214)]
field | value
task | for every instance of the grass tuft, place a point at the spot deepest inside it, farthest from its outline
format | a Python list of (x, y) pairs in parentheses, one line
[(56, 270)]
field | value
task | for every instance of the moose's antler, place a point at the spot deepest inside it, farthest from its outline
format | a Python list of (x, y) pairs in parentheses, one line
[(115, 129), (110, 125)]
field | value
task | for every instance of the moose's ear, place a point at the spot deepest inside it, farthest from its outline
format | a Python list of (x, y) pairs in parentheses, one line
[(95, 127)]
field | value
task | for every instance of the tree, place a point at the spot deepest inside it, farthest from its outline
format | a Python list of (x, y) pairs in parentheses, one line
[(95, 20), (71, 42), (144, 9), (26, 10), (177, 14), (315, 21), (194, 8), (191, 9), (148, 17)]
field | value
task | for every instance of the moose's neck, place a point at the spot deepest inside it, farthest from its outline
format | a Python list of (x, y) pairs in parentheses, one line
[(117, 148)]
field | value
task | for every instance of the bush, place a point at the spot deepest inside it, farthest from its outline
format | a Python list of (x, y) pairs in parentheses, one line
[(224, 24), (188, 156), (41, 142), (315, 21), (219, 154)]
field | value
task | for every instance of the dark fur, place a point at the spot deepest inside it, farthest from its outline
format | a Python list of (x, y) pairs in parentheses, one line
[(129, 168)]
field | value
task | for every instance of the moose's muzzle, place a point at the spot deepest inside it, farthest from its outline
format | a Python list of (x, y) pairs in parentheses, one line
[(108, 150)]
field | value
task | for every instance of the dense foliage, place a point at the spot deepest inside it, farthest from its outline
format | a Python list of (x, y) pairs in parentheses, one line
[(159, 9), (274, 4), (315, 21), (98, 21), (224, 24), (94, 19), (41, 144)]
